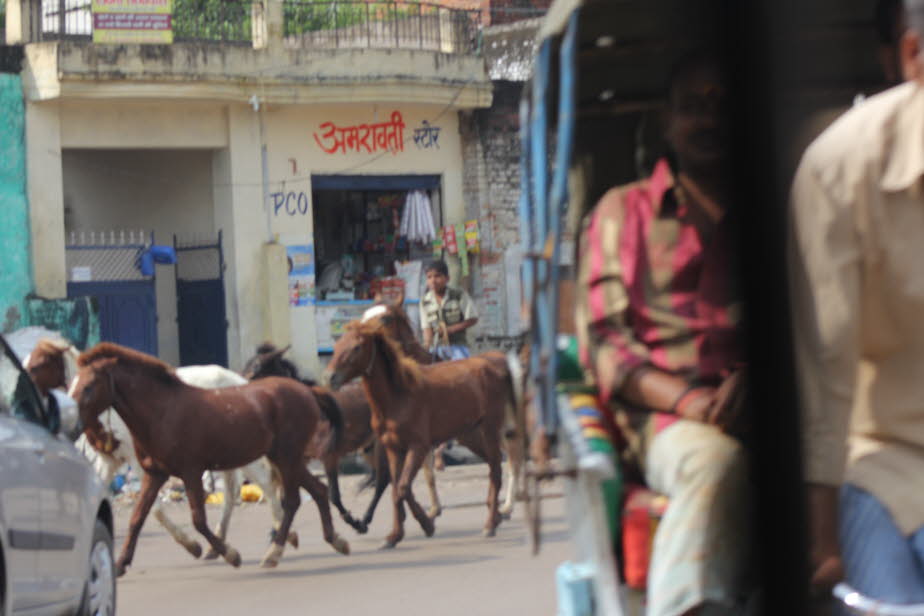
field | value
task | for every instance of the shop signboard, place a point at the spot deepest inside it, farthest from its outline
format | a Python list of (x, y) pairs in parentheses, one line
[(132, 21)]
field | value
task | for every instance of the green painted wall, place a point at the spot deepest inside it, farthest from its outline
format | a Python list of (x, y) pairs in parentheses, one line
[(15, 264)]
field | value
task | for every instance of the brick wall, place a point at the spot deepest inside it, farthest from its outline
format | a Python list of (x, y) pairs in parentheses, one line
[(491, 185)]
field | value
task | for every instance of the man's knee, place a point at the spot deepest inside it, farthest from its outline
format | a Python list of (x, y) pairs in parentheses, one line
[(720, 458), (695, 453)]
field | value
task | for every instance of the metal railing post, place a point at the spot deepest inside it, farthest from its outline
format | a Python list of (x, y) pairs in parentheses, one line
[(368, 34), (420, 25), (336, 29), (395, 26)]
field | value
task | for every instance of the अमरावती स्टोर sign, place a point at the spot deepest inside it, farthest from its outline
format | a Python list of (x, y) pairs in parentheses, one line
[(132, 21), (369, 138)]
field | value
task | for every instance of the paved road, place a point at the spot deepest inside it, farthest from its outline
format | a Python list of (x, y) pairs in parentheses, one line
[(456, 572)]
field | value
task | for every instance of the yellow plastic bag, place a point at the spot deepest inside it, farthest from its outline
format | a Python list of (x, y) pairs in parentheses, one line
[(215, 498), (251, 493)]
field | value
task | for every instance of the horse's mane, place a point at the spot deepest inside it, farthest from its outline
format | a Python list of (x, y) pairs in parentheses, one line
[(409, 344), (403, 370), (151, 366)]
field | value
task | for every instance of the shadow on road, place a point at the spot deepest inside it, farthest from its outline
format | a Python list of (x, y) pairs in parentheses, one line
[(437, 561)]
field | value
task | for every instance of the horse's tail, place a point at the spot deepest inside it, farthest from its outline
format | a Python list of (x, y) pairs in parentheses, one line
[(331, 411)]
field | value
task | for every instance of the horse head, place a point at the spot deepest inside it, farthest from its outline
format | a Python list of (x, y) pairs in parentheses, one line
[(93, 388), (47, 364), (365, 345), (269, 361), (354, 353)]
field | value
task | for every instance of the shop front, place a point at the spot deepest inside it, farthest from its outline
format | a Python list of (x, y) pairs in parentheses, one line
[(360, 195)]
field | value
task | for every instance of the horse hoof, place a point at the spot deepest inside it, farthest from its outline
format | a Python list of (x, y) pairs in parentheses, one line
[(388, 545), (268, 563), (211, 554), (341, 545), (121, 569), (435, 512), (293, 540), (271, 559), (506, 515), (362, 528), (429, 528), (233, 557), (195, 549), (489, 532)]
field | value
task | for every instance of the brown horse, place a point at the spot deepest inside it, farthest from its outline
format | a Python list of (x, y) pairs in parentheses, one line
[(416, 407), (182, 431), (398, 326), (357, 432)]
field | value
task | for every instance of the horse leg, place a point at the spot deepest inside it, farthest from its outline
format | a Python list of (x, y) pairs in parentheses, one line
[(412, 461), (175, 531), (382, 479), (227, 507), (515, 465), (333, 481), (196, 496), (485, 444), (438, 460), (397, 532), (290, 504), (262, 473), (318, 493), (435, 508), (150, 486)]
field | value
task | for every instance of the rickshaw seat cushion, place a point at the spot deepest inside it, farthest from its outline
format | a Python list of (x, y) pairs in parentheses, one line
[(641, 512)]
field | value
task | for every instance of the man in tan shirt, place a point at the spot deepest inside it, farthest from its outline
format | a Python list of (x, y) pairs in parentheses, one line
[(858, 282)]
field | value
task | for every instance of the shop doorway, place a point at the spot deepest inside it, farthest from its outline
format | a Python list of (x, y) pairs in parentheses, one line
[(357, 231)]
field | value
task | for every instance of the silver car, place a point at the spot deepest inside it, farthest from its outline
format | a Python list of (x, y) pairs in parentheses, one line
[(55, 516)]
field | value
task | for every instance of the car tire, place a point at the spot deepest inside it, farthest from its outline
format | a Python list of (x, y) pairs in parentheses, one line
[(99, 592)]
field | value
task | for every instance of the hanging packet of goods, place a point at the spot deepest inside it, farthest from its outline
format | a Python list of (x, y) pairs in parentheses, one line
[(471, 236), (449, 239), (463, 250)]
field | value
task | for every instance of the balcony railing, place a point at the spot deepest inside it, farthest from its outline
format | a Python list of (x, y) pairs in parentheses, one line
[(307, 24), (360, 24)]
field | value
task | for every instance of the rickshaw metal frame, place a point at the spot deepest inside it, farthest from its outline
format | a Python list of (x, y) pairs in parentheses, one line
[(542, 207)]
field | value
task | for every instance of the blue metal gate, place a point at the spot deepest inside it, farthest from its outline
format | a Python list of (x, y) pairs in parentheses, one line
[(200, 296), (105, 266)]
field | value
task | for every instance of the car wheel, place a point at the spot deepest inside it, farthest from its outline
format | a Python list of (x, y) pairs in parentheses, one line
[(99, 593)]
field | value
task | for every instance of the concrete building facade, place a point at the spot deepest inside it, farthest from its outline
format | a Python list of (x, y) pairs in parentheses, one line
[(194, 138)]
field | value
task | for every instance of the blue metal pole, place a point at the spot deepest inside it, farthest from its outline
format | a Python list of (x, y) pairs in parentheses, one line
[(539, 168), (526, 202), (559, 201)]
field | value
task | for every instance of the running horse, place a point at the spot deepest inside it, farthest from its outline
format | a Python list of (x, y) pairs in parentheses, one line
[(180, 430), (415, 407), (398, 326), (53, 363), (357, 433)]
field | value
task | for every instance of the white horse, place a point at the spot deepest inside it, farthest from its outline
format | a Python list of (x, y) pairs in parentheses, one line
[(108, 464)]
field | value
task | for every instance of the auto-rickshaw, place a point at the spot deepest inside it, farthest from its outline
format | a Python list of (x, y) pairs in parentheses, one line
[(589, 121)]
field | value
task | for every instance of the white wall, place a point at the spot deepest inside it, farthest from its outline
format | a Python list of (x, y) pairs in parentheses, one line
[(167, 191), (294, 155)]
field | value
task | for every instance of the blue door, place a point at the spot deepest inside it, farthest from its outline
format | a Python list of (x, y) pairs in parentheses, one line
[(127, 311), (202, 323)]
